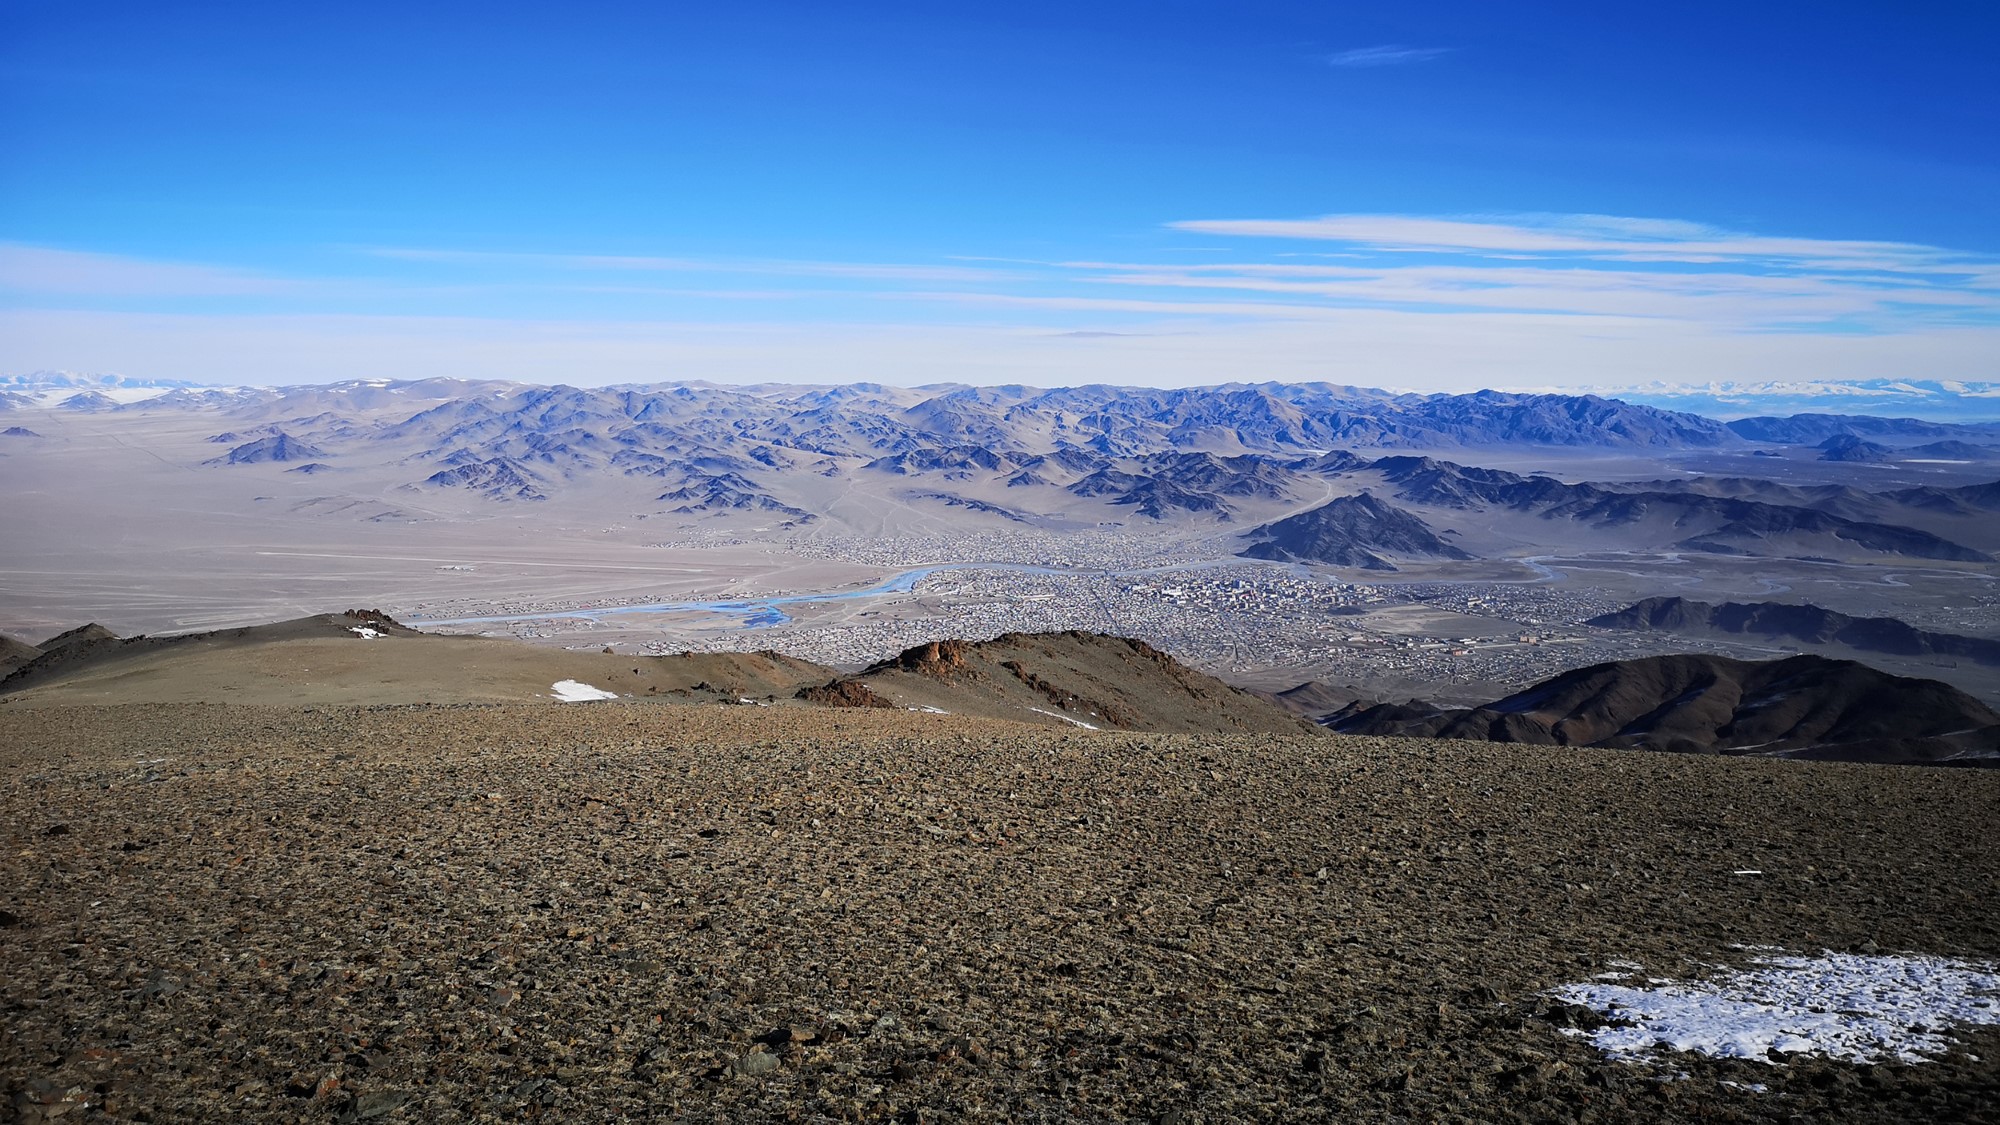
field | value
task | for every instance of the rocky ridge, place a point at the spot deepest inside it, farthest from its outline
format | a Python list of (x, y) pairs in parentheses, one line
[(1085, 680), (1043, 459), (1799, 707), (1809, 623)]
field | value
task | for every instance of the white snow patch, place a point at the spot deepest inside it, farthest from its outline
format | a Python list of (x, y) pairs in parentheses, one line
[(1064, 718), (570, 691), (1850, 1007), (364, 632), (929, 710)]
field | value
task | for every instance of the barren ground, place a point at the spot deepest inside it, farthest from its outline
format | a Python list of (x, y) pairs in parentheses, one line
[(630, 911)]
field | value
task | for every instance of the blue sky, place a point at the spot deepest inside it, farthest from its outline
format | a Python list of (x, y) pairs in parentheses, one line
[(1424, 195)]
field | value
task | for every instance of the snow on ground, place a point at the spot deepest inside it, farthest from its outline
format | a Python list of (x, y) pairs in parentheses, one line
[(364, 632), (1064, 718), (1855, 1008), (570, 691)]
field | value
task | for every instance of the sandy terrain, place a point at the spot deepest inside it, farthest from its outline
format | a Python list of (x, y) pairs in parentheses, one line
[(630, 910)]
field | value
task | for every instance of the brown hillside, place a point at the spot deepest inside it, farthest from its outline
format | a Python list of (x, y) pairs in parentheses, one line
[(15, 653), (1802, 706), (1312, 698), (842, 693), (1072, 679), (81, 635), (365, 657), (362, 657)]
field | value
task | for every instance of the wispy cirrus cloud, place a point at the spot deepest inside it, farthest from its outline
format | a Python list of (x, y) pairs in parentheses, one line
[(1589, 265), (45, 270), (637, 263), (1423, 301), (1386, 54), (1608, 237)]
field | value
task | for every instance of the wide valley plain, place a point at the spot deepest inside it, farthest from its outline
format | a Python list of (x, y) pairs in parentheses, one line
[(119, 517)]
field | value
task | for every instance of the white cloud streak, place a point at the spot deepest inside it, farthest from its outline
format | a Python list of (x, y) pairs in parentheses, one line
[(1387, 54), (1744, 300), (1603, 237), (47, 270), (1413, 301), (618, 263), (1592, 265)]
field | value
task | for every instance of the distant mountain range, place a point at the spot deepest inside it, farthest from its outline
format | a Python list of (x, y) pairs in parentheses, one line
[(1801, 707), (45, 380), (1256, 455), (1810, 623), (1936, 399), (1123, 421), (1711, 515), (1816, 429)]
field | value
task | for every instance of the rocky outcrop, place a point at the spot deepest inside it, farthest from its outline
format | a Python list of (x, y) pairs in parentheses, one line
[(842, 693), (945, 660)]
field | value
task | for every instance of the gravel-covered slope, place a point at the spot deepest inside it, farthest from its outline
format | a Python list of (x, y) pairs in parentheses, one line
[(627, 911)]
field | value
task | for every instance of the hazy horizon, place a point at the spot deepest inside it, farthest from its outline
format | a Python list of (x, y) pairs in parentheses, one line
[(1440, 197), (1930, 400)]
